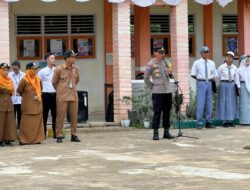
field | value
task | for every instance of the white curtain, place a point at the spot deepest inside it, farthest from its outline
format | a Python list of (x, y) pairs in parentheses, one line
[(146, 3), (172, 2), (116, 1), (222, 3)]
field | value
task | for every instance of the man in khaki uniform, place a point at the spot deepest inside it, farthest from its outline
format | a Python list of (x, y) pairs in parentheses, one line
[(65, 79), (160, 74)]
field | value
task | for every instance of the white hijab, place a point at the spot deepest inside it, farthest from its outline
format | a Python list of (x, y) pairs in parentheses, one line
[(244, 71)]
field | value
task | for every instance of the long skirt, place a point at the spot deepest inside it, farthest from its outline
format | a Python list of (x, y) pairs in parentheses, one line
[(31, 129), (8, 131), (244, 105), (227, 107)]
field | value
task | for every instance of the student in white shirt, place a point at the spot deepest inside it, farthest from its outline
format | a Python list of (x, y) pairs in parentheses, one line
[(16, 75), (204, 71), (227, 102), (243, 81), (48, 92)]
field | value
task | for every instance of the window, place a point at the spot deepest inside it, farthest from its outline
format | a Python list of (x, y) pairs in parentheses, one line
[(56, 25), (191, 34), (160, 33), (56, 44), (29, 25), (82, 24), (55, 33), (159, 28), (85, 46), (29, 47), (230, 34)]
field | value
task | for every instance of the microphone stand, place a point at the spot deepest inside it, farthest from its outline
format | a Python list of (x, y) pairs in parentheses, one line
[(178, 102)]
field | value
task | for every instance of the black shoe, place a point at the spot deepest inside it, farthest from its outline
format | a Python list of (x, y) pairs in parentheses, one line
[(209, 126), (8, 143), (156, 136), (226, 124), (75, 138), (167, 135), (2, 144), (59, 140), (199, 127), (231, 124)]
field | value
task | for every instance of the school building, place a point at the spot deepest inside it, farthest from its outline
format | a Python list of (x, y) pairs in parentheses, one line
[(115, 38)]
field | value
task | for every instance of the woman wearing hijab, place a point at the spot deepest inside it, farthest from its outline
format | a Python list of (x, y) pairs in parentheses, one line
[(227, 102), (243, 81), (31, 127), (8, 131)]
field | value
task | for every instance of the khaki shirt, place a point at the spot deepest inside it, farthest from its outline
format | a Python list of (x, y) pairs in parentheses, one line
[(64, 81), (29, 105), (5, 100), (160, 80)]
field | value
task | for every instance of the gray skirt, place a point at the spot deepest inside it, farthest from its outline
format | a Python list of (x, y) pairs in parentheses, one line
[(227, 107), (244, 105)]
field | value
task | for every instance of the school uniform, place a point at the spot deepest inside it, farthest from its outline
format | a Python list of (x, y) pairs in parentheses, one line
[(205, 72), (227, 107), (243, 82)]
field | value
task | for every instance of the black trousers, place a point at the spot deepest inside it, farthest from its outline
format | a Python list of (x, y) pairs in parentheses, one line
[(49, 103), (18, 113), (162, 103)]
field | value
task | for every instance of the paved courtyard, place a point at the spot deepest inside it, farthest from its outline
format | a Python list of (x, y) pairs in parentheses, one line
[(117, 158)]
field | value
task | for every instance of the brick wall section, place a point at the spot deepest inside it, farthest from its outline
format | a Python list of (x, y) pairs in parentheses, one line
[(4, 32), (179, 46), (121, 58)]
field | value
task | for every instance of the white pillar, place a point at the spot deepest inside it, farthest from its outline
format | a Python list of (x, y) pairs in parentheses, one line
[(4, 32), (121, 58), (179, 46)]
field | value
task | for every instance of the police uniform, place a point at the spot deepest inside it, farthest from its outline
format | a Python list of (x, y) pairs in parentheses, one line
[(161, 94), (64, 81)]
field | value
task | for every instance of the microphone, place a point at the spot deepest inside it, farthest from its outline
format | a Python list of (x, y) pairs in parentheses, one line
[(169, 65)]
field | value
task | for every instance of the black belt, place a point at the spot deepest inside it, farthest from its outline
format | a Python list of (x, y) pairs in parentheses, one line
[(205, 80), (52, 93), (242, 81), (227, 81)]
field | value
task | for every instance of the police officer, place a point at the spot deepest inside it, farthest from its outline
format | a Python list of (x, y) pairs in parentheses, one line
[(161, 91), (204, 71), (65, 79)]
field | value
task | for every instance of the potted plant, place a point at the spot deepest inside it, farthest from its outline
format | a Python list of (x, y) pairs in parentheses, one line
[(146, 122), (132, 115)]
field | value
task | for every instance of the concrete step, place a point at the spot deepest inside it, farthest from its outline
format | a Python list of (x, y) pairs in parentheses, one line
[(91, 124)]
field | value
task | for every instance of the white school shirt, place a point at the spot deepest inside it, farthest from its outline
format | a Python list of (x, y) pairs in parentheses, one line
[(198, 69), (223, 72), (16, 78), (46, 74)]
